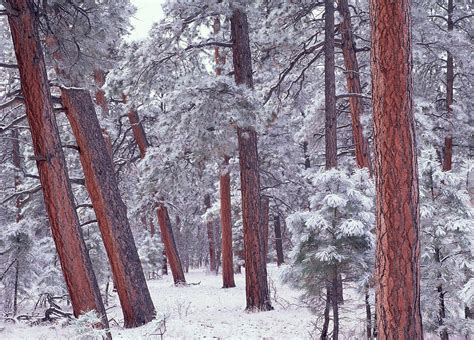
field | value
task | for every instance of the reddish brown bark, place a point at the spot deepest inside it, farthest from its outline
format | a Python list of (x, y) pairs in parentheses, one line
[(398, 248), (110, 211), (226, 222), (75, 262), (170, 245), (138, 131), (100, 99), (258, 297), (353, 86), (210, 236), (265, 211), (448, 140), (278, 240)]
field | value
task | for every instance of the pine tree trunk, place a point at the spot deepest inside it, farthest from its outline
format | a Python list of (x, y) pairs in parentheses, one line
[(335, 304), (368, 315), (110, 211), (170, 245), (257, 293), (210, 236), (398, 247), (325, 328), (278, 240), (353, 86), (226, 222), (100, 99), (138, 131), (265, 211), (58, 198), (330, 87), (448, 141), (441, 305), (164, 267)]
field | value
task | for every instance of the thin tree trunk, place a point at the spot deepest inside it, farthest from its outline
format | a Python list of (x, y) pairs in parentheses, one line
[(368, 315), (58, 198), (226, 222), (170, 245), (16, 160), (110, 211), (164, 267), (265, 211), (353, 86), (335, 304), (448, 141), (210, 235), (325, 329), (257, 293), (330, 87), (278, 240), (443, 334), (398, 247)]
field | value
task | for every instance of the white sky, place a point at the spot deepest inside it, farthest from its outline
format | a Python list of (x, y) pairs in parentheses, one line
[(148, 12)]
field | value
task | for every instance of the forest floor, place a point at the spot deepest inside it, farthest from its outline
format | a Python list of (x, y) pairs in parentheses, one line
[(206, 310)]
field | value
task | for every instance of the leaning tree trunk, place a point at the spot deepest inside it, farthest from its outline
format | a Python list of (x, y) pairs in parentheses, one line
[(100, 99), (257, 293), (110, 211), (58, 198), (138, 131), (226, 222), (353, 86), (170, 245), (398, 247), (278, 240), (210, 236)]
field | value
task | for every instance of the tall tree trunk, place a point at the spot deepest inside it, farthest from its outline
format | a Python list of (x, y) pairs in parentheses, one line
[(170, 245), (335, 304), (398, 247), (448, 141), (265, 211), (443, 333), (330, 87), (210, 236), (164, 267), (110, 211), (325, 329), (16, 160), (58, 198), (226, 222), (368, 315), (257, 293), (353, 86), (278, 240)]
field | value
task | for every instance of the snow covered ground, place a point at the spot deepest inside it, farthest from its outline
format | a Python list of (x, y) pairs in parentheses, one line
[(200, 311)]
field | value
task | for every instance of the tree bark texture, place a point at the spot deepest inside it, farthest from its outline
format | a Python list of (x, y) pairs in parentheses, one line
[(226, 222), (257, 293), (110, 211), (397, 234), (278, 240), (138, 131), (210, 236), (170, 245), (351, 64), (448, 140), (100, 99), (265, 211), (330, 87), (75, 262)]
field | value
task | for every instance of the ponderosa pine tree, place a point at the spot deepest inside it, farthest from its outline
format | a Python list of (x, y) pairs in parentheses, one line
[(258, 296), (75, 262), (396, 174)]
